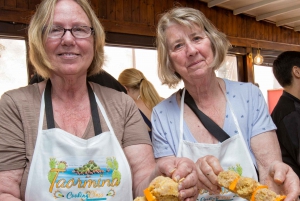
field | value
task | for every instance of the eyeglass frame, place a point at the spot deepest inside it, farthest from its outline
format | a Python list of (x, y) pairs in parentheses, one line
[(71, 31)]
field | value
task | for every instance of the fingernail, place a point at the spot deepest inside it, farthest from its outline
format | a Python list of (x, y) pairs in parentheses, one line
[(182, 194), (180, 180), (172, 170), (177, 178)]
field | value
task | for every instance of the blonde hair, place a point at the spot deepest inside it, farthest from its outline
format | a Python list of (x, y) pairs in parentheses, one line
[(186, 17), (135, 79), (37, 35)]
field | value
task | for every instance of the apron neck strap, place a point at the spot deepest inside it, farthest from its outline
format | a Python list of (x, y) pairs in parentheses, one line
[(208, 123), (49, 108)]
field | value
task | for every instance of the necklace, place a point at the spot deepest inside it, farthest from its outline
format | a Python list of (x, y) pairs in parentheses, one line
[(138, 97)]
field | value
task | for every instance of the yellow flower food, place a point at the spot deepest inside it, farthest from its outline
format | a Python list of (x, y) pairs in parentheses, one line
[(246, 187), (161, 189)]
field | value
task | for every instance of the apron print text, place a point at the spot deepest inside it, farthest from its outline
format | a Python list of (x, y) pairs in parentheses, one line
[(68, 180)]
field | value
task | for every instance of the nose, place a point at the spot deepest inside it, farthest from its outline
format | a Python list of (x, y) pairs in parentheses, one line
[(67, 38), (65, 30), (190, 49)]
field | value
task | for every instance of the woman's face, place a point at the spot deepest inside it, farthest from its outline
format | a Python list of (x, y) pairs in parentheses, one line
[(189, 51), (69, 55)]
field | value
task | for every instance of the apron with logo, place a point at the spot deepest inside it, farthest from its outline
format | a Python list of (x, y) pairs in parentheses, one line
[(66, 167), (232, 154)]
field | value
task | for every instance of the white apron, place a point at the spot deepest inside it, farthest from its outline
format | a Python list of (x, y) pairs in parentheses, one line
[(65, 167), (232, 153)]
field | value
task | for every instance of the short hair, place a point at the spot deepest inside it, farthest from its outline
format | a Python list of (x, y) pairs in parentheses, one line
[(187, 17), (135, 79), (283, 65), (39, 25)]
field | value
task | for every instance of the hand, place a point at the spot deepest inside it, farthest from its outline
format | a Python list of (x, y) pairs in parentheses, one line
[(184, 171), (286, 179), (208, 168)]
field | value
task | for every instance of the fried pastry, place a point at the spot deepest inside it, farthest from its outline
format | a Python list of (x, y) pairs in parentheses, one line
[(161, 189), (246, 187)]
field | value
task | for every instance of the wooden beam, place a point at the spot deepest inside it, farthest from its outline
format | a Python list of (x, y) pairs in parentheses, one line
[(277, 12), (128, 27), (246, 42), (297, 28), (252, 6), (249, 68), (216, 2), (287, 21), (16, 15)]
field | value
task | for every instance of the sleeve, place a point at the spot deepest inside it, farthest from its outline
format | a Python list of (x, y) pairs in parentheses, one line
[(135, 129), (261, 119), (160, 132), (12, 142), (289, 140)]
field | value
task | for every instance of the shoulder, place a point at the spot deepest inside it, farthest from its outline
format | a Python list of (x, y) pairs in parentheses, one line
[(168, 102), (109, 93), (116, 103), (284, 106), (27, 94), (243, 90), (236, 84)]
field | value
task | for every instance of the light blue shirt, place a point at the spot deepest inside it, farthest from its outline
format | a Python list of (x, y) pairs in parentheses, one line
[(248, 105)]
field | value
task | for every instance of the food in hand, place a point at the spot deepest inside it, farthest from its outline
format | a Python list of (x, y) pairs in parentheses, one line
[(246, 187), (161, 189)]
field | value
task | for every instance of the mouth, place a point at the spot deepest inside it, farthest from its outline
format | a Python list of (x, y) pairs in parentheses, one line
[(194, 63), (68, 55)]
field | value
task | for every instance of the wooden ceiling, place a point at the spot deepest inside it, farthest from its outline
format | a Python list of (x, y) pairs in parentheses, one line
[(280, 12)]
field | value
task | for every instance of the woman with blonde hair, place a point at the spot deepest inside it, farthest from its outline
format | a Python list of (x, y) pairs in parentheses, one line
[(218, 123), (52, 129), (141, 91)]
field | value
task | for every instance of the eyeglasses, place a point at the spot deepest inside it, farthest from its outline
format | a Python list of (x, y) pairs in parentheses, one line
[(77, 31)]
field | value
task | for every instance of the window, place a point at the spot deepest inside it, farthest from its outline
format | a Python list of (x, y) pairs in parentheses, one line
[(264, 77), (228, 69), (13, 66), (145, 60)]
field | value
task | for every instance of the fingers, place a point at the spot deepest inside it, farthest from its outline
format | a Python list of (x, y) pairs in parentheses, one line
[(186, 175), (279, 171), (291, 186), (166, 166), (208, 168), (188, 189), (184, 169), (284, 175)]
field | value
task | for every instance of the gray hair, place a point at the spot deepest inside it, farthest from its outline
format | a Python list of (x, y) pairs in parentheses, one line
[(187, 17)]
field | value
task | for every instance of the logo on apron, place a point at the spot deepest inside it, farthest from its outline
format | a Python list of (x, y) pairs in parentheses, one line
[(93, 175)]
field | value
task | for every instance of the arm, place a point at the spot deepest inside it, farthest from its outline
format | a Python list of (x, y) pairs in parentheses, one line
[(144, 170), (10, 185), (12, 145), (272, 171)]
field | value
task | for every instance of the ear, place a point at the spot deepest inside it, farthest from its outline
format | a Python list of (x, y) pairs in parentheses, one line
[(296, 71)]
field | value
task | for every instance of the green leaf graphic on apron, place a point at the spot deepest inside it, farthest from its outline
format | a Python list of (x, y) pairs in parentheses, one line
[(112, 163), (238, 169), (55, 167)]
